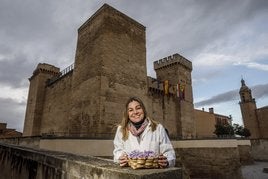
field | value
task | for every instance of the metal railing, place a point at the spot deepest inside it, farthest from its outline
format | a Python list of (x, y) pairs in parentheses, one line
[(64, 72)]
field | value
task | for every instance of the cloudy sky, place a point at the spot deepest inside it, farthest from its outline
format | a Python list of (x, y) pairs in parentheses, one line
[(225, 40)]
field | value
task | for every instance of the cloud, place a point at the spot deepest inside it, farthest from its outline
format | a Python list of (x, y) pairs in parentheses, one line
[(15, 70), (253, 65), (213, 60), (209, 33), (12, 113), (258, 91), (220, 98)]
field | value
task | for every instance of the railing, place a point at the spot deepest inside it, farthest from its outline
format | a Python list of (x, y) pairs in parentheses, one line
[(64, 72)]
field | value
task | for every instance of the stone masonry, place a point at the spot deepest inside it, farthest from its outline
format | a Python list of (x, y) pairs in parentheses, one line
[(88, 99), (255, 119)]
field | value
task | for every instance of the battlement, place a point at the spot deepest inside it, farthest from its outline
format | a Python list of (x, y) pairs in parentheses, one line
[(110, 10), (45, 68), (173, 60)]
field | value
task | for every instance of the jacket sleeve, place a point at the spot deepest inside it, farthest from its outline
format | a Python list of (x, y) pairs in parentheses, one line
[(118, 145), (166, 147)]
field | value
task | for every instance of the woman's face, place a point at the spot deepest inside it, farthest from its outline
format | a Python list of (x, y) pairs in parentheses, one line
[(135, 111)]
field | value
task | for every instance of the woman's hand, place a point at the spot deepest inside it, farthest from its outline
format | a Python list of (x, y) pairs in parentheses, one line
[(162, 161), (123, 160)]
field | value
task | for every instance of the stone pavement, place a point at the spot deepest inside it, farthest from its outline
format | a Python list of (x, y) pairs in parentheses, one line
[(255, 171)]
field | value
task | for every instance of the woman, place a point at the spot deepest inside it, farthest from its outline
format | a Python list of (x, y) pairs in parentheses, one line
[(139, 132)]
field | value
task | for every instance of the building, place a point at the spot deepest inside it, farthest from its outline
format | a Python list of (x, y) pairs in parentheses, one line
[(7, 132), (206, 121), (255, 119)]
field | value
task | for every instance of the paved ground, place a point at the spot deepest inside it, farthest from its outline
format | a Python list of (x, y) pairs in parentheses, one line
[(255, 171)]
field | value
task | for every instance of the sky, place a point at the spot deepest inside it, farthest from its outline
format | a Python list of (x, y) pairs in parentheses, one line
[(225, 41)]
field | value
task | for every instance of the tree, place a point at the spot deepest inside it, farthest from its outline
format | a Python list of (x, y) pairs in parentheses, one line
[(219, 130), (224, 130), (246, 132), (241, 130)]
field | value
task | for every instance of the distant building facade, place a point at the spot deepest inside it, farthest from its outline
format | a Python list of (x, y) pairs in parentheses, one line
[(7, 132), (255, 119), (206, 121)]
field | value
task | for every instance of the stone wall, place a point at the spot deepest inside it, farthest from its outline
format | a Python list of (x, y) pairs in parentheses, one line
[(209, 158), (205, 158), (163, 109), (32, 142), (210, 162), (262, 114), (56, 108), (245, 154), (23, 163), (259, 149), (244, 149), (86, 147), (199, 158)]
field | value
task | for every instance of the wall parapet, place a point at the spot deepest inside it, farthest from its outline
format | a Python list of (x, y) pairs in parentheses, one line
[(45, 68), (61, 74), (172, 60), (22, 162)]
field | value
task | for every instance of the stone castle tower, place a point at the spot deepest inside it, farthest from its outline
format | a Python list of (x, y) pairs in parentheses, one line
[(177, 71), (36, 95), (88, 98), (255, 119), (110, 66)]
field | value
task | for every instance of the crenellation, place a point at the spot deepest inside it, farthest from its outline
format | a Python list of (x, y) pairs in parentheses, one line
[(108, 8), (172, 60), (45, 68)]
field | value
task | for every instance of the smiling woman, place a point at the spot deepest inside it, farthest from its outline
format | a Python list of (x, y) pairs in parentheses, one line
[(139, 134)]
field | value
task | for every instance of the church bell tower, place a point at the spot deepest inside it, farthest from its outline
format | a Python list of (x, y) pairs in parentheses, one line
[(248, 111)]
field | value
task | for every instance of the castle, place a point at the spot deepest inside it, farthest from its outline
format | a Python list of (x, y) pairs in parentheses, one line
[(87, 98), (255, 119), (73, 108)]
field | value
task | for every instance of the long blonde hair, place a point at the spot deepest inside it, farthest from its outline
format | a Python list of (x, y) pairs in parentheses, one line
[(125, 120)]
